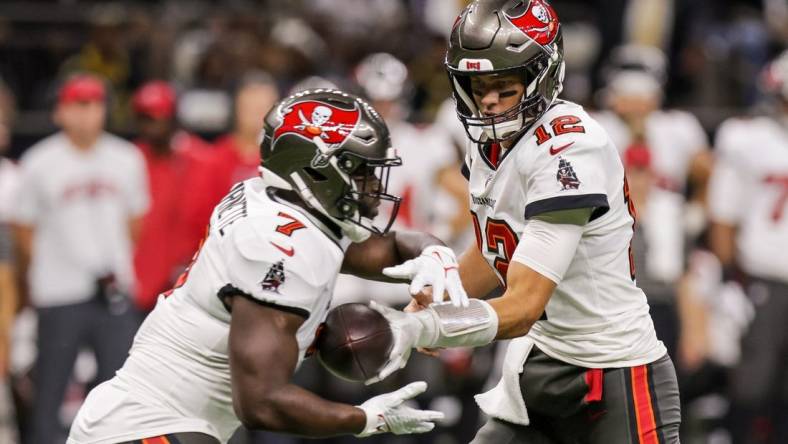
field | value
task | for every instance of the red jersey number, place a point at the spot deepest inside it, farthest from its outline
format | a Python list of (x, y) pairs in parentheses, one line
[(499, 239), (559, 125), (779, 205)]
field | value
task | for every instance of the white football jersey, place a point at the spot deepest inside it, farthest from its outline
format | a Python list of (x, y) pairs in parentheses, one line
[(597, 316), (177, 376), (749, 189)]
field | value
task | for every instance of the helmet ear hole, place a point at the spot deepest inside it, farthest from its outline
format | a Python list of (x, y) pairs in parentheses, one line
[(347, 208)]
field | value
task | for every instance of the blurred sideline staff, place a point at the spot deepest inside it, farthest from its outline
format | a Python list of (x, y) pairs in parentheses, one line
[(9, 297), (633, 95), (82, 194), (174, 159)]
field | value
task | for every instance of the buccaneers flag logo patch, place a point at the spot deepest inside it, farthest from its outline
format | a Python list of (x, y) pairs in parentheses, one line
[(539, 22), (274, 278), (312, 118), (566, 175)]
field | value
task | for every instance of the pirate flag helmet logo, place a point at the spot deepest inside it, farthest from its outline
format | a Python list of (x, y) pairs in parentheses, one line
[(312, 118)]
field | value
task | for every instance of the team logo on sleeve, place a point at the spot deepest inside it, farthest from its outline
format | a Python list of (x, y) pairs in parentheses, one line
[(566, 175), (274, 278)]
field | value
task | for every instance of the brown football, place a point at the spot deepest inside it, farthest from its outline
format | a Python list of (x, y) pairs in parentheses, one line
[(355, 342)]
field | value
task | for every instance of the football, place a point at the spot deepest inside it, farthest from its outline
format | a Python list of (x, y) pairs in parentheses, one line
[(355, 342)]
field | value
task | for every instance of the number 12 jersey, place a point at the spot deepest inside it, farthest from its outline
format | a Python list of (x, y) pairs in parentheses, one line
[(597, 317)]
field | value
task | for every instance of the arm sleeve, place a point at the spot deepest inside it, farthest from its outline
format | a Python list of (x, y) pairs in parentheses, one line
[(548, 248), (694, 134), (258, 271), (571, 179)]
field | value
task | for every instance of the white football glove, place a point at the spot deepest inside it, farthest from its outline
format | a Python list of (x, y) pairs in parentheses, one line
[(436, 266), (406, 330), (439, 325), (385, 413)]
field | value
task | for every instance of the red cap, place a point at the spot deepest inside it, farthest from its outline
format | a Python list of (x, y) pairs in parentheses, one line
[(637, 156), (155, 99), (82, 88)]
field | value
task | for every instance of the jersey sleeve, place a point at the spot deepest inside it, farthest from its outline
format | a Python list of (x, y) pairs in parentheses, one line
[(260, 269), (727, 186), (692, 132), (567, 174)]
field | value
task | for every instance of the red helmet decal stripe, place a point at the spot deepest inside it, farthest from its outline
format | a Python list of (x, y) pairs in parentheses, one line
[(539, 22), (312, 118)]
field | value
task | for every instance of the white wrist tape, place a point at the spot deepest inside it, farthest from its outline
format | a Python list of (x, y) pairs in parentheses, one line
[(446, 325)]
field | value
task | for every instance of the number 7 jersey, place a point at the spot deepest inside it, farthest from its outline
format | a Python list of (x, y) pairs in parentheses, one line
[(597, 316)]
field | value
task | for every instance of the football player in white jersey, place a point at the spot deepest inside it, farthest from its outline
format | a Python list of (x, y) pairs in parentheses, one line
[(748, 203), (554, 224), (220, 349)]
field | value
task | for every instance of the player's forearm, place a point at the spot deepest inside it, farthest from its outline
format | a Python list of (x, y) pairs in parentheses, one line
[(8, 298), (410, 244), (369, 258), (135, 228), (292, 409), (723, 243), (23, 237), (524, 301), (477, 277)]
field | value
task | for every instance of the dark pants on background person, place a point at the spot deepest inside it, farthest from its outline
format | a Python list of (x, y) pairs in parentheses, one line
[(573, 405), (62, 332), (759, 383)]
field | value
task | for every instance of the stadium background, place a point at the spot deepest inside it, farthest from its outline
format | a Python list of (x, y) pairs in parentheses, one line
[(715, 50)]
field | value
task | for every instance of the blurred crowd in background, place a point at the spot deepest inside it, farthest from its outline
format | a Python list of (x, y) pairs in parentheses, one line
[(164, 101)]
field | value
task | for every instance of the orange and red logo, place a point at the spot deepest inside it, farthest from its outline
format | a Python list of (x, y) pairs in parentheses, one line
[(539, 22), (312, 118)]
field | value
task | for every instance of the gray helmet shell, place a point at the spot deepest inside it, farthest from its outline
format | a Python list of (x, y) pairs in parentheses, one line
[(502, 37), (315, 142)]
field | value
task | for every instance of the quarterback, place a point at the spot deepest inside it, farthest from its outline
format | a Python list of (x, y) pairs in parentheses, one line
[(219, 350), (553, 224)]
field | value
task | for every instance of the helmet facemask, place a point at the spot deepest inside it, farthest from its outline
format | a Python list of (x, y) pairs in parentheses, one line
[(366, 180), (536, 77), (369, 180)]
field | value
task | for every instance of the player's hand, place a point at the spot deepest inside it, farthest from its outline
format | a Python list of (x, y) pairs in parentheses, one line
[(436, 266), (413, 307), (406, 330), (385, 413)]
